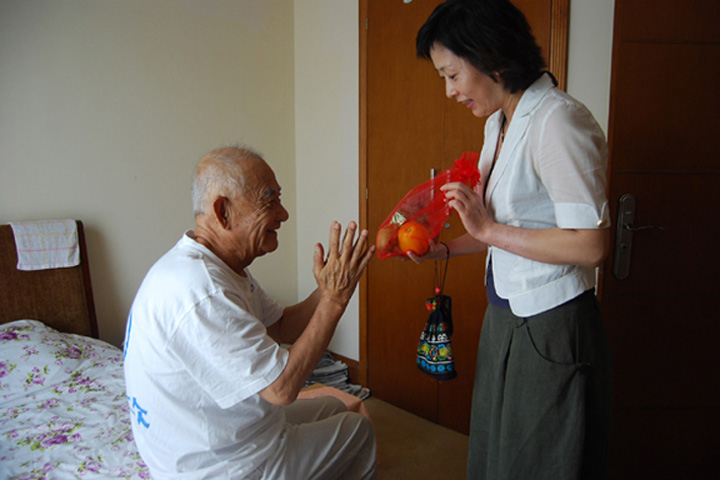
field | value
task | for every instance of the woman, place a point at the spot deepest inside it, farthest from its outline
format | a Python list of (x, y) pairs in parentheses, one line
[(541, 400)]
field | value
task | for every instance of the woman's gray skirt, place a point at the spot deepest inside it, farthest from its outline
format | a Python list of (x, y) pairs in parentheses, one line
[(542, 395)]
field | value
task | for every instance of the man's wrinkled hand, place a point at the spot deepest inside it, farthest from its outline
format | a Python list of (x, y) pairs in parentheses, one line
[(337, 274)]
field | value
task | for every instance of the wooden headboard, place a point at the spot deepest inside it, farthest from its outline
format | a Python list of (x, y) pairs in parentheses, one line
[(61, 298)]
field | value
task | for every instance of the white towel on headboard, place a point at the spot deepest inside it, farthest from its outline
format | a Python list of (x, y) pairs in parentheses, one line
[(46, 244)]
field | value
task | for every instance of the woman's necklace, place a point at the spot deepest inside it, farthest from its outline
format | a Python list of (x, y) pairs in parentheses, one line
[(502, 129)]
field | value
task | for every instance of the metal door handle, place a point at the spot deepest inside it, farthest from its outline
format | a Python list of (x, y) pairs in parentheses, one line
[(624, 235)]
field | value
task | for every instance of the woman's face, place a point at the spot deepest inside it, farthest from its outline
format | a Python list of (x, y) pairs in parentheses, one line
[(466, 84)]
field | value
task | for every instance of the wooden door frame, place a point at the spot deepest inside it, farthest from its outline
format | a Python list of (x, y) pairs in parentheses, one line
[(557, 63)]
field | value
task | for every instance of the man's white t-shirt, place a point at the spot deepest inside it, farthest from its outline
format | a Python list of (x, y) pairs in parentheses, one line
[(196, 355)]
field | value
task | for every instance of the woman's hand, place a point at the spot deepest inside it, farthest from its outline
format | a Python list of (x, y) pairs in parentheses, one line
[(470, 207), (437, 251)]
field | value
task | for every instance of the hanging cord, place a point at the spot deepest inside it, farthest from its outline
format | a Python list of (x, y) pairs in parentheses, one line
[(440, 285)]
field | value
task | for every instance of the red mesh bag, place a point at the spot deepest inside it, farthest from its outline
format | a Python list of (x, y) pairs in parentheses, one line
[(423, 211)]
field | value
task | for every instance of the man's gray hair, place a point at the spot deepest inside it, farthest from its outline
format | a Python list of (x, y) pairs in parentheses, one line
[(219, 173)]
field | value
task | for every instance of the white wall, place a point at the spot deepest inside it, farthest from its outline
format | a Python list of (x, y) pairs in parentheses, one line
[(326, 137), (106, 106), (590, 55)]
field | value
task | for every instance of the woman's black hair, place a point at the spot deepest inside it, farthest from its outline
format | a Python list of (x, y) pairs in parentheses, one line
[(493, 35)]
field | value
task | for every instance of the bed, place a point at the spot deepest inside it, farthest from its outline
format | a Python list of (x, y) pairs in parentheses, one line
[(63, 408)]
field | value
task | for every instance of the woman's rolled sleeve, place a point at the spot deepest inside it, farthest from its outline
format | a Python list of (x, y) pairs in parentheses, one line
[(582, 216)]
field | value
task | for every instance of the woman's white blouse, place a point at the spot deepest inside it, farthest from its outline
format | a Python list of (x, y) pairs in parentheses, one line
[(551, 172)]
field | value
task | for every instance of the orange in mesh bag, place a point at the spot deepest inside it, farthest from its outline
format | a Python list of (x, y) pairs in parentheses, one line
[(421, 213)]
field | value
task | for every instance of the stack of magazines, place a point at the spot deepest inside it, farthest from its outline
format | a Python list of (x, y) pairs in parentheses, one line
[(334, 373)]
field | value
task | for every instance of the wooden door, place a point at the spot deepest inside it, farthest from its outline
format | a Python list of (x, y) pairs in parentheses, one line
[(662, 317), (408, 128)]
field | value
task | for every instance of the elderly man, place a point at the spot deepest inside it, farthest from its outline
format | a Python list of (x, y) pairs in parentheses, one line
[(212, 393)]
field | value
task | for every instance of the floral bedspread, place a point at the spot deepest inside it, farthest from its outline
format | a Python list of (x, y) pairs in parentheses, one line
[(63, 409)]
